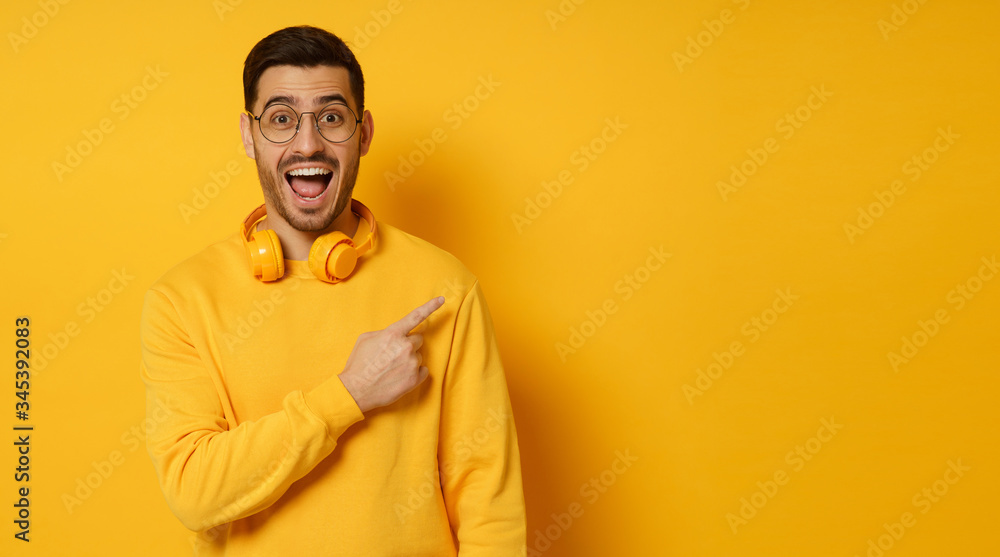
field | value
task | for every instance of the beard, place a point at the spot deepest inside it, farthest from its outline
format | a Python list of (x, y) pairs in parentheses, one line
[(308, 220)]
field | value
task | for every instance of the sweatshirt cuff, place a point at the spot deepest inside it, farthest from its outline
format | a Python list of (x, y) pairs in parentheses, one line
[(334, 405)]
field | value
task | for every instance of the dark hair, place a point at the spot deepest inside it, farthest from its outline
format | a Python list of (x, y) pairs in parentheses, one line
[(303, 46)]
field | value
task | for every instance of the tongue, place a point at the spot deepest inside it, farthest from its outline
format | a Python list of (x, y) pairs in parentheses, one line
[(308, 186)]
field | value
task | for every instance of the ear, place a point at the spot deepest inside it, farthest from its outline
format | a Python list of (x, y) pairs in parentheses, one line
[(247, 135), (367, 131)]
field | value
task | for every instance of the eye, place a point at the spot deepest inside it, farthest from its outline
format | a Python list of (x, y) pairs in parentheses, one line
[(281, 118), (333, 116)]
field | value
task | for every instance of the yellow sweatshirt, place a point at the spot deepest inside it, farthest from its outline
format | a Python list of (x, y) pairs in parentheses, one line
[(260, 449)]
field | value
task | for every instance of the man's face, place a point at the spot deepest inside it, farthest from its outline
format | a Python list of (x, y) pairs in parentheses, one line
[(309, 203)]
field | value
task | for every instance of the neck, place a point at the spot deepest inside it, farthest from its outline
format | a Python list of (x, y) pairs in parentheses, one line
[(295, 244)]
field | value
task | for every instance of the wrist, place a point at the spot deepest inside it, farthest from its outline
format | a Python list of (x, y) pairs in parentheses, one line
[(353, 390)]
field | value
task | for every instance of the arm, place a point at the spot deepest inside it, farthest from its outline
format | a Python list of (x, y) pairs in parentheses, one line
[(478, 453), (211, 474)]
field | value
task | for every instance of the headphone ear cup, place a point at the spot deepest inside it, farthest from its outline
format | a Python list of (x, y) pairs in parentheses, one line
[(332, 257), (266, 260)]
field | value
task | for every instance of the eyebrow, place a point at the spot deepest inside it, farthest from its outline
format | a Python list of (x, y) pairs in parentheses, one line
[(323, 100)]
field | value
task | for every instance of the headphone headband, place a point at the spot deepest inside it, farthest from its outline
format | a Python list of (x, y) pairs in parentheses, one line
[(358, 208)]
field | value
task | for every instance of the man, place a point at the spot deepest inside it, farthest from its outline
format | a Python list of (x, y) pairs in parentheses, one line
[(303, 406)]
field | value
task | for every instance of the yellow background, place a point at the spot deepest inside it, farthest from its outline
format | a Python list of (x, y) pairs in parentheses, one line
[(562, 70)]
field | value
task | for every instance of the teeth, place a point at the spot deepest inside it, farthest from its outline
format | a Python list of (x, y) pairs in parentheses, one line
[(308, 171)]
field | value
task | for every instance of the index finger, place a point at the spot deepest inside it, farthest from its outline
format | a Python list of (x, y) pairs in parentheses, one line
[(415, 317)]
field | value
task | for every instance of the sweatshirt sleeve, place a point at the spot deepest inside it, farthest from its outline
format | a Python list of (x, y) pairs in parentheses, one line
[(211, 474), (478, 452)]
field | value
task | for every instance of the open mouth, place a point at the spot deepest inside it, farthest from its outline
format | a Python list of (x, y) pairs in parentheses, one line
[(309, 184)]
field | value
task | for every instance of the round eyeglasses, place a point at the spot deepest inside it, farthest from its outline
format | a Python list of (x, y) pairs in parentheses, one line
[(279, 123)]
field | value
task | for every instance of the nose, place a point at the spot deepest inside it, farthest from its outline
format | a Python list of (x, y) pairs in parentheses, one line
[(307, 139)]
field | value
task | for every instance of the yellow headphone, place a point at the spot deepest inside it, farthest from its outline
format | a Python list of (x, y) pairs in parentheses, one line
[(332, 257)]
